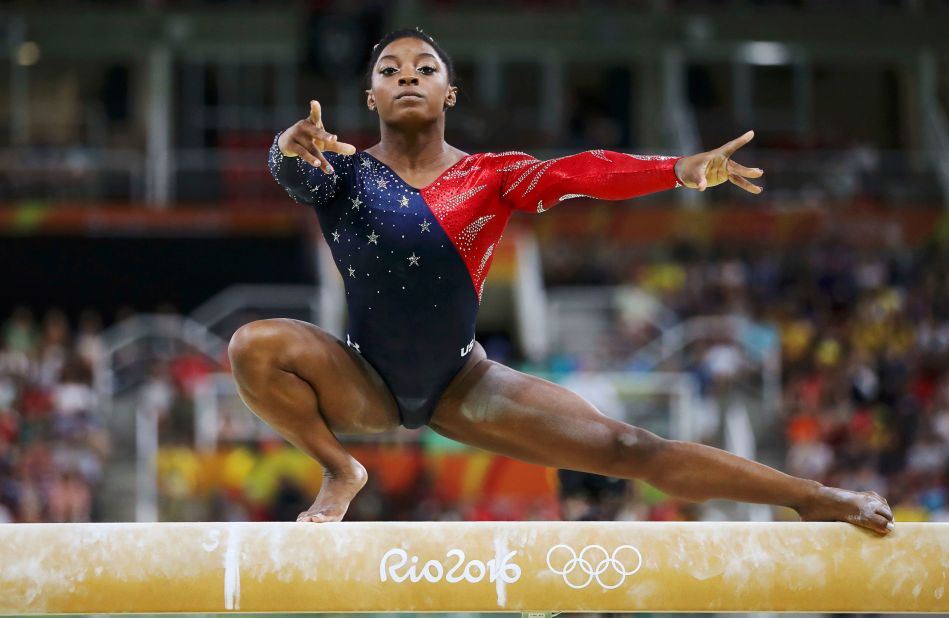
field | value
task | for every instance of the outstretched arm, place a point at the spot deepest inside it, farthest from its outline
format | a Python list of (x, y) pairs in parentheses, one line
[(534, 185), (301, 159), (708, 169), (531, 184)]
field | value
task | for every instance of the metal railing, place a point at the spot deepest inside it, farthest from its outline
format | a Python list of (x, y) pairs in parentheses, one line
[(129, 350), (222, 312)]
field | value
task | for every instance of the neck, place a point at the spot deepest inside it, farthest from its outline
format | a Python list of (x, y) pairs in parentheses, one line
[(414, 148)]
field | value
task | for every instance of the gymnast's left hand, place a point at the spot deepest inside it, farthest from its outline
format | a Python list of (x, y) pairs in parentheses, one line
[(708, 169)]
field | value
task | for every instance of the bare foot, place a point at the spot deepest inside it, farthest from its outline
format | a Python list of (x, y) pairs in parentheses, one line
[(337, 492), (866, 508)]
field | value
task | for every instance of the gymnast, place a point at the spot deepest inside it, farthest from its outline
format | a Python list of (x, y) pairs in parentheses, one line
[(412, 223)]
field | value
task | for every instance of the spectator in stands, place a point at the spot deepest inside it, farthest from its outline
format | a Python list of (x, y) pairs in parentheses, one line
[(53, 442)]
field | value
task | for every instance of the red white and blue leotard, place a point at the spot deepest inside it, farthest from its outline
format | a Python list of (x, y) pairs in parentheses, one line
[(414, 261)]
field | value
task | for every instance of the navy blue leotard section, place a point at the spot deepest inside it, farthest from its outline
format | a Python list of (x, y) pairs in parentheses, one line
[(411, 303), (415, 260)]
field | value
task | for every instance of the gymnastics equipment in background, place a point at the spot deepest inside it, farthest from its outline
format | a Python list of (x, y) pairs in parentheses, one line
[(488, 566)]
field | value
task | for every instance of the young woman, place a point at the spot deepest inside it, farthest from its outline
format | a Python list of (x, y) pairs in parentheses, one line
[(412, 223)]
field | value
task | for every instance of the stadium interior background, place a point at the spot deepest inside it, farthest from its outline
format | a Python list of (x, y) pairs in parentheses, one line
[(807, 327)]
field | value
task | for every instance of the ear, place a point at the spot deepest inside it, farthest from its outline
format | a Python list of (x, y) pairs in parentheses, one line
[(370, 101), (452, 97)]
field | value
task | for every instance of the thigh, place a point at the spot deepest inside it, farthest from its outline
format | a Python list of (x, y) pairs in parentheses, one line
[(350, 395), (496, 408)]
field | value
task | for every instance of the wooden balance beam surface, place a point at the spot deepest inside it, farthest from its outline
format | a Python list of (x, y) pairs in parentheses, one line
[(489, 566)]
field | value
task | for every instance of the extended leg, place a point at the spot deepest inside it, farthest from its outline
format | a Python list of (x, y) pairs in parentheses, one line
[(499, 409), (307, 385)]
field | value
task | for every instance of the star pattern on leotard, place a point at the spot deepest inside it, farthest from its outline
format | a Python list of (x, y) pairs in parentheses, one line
[(397, 309), (369, 214), (380, 210)]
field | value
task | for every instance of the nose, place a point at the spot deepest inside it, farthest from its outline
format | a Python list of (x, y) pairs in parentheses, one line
[(407, 80)]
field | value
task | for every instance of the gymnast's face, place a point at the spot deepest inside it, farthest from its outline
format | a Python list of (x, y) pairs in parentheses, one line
[(410, 84)]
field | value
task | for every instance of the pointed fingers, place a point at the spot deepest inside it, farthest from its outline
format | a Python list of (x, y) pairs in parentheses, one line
[(316, 112), (737, 143), (328, 141), (306, 151), (312, 155), (341, 147), (741, 170), (744, 184)]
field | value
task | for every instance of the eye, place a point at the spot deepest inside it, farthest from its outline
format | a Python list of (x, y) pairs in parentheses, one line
[(427, 70), (393, 69)]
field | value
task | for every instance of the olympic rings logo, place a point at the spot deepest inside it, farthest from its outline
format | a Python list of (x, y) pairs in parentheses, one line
[(610, 571)]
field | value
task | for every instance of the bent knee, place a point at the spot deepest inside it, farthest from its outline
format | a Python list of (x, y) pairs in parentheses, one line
[(265, 341), (635, 450)]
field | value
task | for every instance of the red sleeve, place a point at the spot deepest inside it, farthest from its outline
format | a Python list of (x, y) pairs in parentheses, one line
[(533, 185)]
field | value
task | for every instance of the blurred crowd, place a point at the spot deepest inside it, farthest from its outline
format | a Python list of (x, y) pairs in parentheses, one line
[(53, 441), (862, 334)]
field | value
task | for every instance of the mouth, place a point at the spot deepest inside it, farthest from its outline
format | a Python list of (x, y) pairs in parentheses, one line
[(410, 95)]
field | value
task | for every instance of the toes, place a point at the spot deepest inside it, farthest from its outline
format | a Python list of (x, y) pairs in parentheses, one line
[(884, 508), (317, 518), (309, 517), (880, 524)]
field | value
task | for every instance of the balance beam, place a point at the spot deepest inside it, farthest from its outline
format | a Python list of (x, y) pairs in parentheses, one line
[(496, 566)]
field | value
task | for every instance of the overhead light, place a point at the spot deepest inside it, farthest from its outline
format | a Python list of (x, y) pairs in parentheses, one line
[(765, 53), (27, 54)]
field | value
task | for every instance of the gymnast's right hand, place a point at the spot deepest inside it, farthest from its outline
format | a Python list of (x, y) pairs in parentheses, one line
[(308, 138)]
